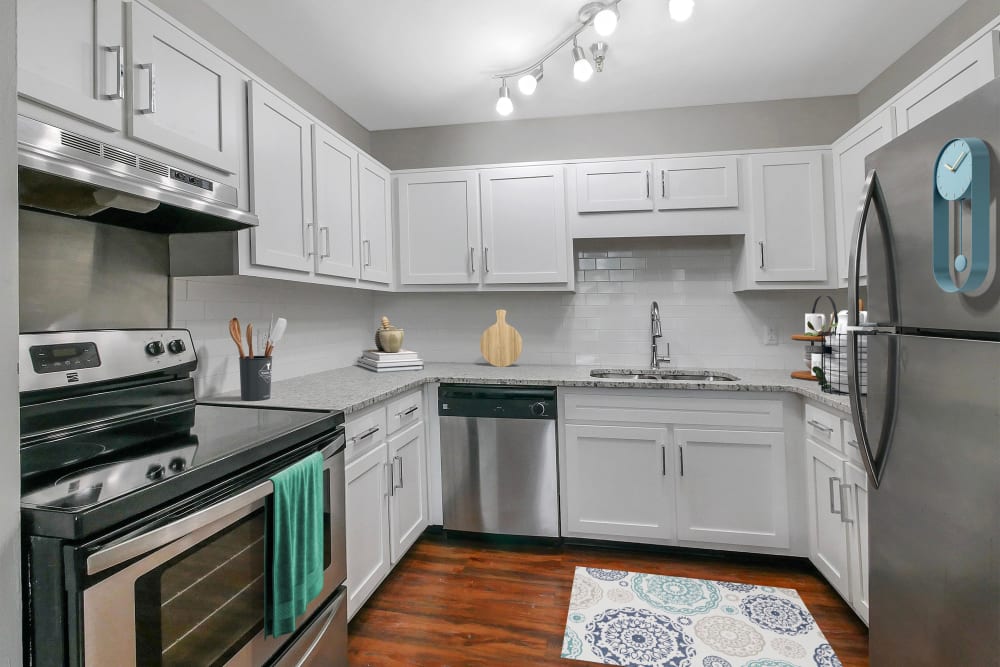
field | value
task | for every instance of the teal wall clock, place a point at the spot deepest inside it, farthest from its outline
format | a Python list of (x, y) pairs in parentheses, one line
[(962, 174)]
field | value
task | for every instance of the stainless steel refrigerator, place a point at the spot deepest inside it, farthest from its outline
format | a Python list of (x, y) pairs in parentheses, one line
[(930, 422)]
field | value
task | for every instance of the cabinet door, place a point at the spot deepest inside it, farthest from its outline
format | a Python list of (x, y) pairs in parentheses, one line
[(408, 489), (280, 182), (614, 186), (827, 532), (70, 55), (950, 82), (368, 552), (184, 98), (335, 187), (731, 487), (619, 483), (376, 222), (697, 182), (439, 228), (849, 173), (524, 225), (789, 225), (856, 512)]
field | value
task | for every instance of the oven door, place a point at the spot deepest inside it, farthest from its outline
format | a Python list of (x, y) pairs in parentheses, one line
[(193, 590)]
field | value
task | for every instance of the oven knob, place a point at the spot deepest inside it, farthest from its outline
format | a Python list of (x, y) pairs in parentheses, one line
[(154, 349), (538, 409), (177, 465), (155, 472), (176, 346)]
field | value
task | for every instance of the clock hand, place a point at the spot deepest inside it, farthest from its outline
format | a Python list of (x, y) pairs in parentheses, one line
[(961, 157)]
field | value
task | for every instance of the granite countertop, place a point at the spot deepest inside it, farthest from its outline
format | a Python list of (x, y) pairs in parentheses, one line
[(351, 389)]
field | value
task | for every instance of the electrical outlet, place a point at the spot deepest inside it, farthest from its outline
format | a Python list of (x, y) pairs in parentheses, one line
[(770, 335)]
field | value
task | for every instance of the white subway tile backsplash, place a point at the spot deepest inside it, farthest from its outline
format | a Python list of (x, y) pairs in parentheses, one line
[(587, 264), (595, 276), (619, 253), (621, 274), (610, 263)]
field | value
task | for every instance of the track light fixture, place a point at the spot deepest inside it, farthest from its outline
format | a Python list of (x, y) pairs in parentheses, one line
[(600, 52), (504, 105), (606, 20), (527, 83), (582, 69), (681, 10)]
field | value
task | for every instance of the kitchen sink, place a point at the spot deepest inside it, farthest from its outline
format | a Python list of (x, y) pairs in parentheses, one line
[(664, 375)]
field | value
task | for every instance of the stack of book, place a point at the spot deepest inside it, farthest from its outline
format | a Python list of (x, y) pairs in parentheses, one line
[(404, 360)]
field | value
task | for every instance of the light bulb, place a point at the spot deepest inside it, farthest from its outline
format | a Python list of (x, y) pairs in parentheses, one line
[(605, 21), (681, 10), (504, 105), (529, 82), (582, 69)]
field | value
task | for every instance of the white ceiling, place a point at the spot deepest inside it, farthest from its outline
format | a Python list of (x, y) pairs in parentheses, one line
[(410, 63)]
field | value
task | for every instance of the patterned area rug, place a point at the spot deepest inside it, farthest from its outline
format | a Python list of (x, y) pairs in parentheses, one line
[(624, 618)]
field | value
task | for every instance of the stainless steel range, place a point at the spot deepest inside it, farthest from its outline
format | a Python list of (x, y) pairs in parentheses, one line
[(145, 513)]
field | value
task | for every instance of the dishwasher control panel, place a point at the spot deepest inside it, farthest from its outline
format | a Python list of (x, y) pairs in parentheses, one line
[(497, 402)]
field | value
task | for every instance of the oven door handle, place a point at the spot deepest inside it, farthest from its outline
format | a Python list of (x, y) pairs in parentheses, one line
[(229, 510)]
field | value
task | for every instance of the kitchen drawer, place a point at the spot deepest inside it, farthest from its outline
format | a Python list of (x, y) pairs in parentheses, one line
[(406, 410), (658, 408), (365, 430), (851, 446), (824, 428)]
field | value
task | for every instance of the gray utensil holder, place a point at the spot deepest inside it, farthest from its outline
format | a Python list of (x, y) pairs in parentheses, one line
[(255, 378)]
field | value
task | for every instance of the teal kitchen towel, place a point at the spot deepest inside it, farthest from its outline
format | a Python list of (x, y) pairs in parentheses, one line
[(296, 543)]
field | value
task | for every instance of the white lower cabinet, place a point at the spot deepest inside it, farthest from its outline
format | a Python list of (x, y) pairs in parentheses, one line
[(618, 484), (368, 559), (717, 467), (827, 531), (856, 512), (407, 488)]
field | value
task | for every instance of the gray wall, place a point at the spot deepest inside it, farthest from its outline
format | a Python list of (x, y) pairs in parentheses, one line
[(222, 34), (954, 30), (689, 129), (10, 466)]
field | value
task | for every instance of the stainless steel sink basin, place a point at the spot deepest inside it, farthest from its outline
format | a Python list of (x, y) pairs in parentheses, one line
[(664, 375)]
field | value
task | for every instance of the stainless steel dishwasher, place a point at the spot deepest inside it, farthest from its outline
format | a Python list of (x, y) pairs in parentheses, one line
[(499, 468)]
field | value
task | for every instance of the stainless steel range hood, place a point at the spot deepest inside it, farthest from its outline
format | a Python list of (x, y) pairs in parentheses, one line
[(69, 174)]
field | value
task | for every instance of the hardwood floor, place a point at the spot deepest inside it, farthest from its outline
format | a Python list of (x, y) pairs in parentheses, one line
[(468, 602)]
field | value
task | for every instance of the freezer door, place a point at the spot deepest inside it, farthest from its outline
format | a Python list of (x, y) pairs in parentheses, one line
[(933, 524), (905, 168)]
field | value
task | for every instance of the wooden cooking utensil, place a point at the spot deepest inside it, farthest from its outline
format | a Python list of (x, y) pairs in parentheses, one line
[(500, 343), (236, 334), (250, 340)]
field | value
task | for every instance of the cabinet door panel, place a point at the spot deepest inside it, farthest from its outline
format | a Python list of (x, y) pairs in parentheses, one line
[(856, 499), (614, 186), (439, 228), (280, 182), (335, 178), (789, 226), (731, 487), (524, 225), (68, 57), (697, 182), (376, 221), (827, 532), (619, 483), (408, 490), (184, 97), (368, 557)]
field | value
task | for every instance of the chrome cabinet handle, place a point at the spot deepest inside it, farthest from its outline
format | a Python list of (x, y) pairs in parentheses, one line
[(119, 93), (834, 481), (663, 459), (391, 468), (874, 465), (152, 88), (408, 412), (486, 259), (308, 243), (472, 259), (844, 504), (818, 425), (400, 459), (646, 174), (663, 183), (367, 434), (368, 252), (853, 443), (327, 244), (761, 254), (682, 460)]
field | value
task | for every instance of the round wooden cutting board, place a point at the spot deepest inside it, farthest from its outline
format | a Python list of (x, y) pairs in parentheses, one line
[(501, 343)]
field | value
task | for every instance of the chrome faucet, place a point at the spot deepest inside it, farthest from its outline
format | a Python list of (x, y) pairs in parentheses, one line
[(656, 331)]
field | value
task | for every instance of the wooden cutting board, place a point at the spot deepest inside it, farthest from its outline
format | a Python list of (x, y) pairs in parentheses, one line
[(501, 343)]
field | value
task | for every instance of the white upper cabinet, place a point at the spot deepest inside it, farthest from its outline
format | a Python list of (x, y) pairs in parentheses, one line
[(731, 487), (952, 80), (849, 153), (614, 186), (335, 189), (697, 182), (280, 182), (524, 225), (184, 97), (788, 231), (439, 228), (71, 56), (375, 204)]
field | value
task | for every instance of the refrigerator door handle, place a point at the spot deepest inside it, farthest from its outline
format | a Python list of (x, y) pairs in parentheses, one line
[(874, 464)]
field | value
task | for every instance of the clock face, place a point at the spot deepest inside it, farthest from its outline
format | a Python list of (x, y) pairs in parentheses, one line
[(954, 170)]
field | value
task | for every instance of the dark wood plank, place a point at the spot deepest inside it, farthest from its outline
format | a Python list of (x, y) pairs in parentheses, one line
[(468, 602)]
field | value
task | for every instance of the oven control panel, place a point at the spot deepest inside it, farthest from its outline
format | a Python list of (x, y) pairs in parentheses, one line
[(54, 359)]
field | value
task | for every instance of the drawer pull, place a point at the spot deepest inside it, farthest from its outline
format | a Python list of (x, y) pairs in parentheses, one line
[(820, 426), (854, 443), (409, 411), (367, 434)]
